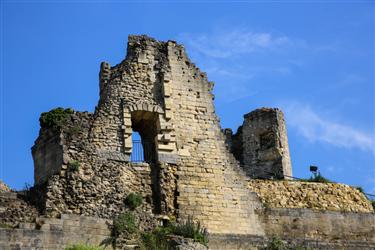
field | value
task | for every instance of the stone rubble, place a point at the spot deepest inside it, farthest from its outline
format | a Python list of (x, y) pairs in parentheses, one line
[(320, 196)]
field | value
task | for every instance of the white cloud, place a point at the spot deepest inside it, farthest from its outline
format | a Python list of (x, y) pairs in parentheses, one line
[(316, 128), (228, 43)]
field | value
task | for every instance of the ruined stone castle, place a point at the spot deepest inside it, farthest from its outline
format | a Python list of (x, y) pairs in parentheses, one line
[(237, 185)]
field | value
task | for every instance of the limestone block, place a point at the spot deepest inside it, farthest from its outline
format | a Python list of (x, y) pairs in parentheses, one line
[(168, 114), (168, 103), (168, 158), (184, 152), (128, 143), (166, 147), (167, 90)]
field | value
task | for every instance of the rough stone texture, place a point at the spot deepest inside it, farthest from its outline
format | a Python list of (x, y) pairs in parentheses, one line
[(261, 145), (321, 196), (100, 191), (55, 234), (14, 210), (339, 228), (159, 93), (181, 243), (84, 168), (305, 227), (47, 155), (4, 187), (210, 183), (297, 227), (250, 242)]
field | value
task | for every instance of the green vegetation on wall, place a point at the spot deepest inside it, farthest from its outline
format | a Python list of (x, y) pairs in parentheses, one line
[(317, 178), (55, 118), (133, 200), (83, 247), (160, 237), (126, 227), (74, 165)]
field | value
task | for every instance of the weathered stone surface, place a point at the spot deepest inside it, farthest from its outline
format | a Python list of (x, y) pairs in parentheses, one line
[(180, 243), (85, 168), (48, 233), (320, 196), (159, 93), (261, 144), (14, 210), (336, 228), (4, 188)]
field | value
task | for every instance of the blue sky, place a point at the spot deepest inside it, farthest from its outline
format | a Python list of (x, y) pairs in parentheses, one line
[(314, 60)]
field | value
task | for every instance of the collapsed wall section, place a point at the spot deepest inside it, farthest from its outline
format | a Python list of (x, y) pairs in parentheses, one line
[(313, 195)]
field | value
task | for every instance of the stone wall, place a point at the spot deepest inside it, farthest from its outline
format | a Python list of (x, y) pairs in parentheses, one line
[(308, 228), (91, 181), (47, 155), (98, 189), (51, 149), (4, 187), (55, 234), (211, 186), (133, 85), (264, 150), (325, 226), (14, 210), (320, 196), (159, 93)]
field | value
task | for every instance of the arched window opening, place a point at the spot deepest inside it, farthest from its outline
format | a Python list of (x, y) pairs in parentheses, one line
[(137, 154), (144, 125)]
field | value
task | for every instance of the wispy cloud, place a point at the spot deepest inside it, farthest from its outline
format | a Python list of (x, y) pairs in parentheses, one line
[(228, 43), (238, 59), (316, 128)]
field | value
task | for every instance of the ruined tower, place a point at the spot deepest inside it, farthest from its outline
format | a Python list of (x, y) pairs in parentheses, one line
[(265, 144), (261, 145), (187, 169), (87, 166)]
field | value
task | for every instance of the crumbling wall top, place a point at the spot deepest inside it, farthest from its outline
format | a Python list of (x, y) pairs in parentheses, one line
[(261, 112)]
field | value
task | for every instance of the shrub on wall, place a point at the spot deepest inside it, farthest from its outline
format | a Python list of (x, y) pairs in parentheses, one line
[(192, 230), (276, 244), (133, 200), (126, 227), (83, 247), (317, 178), (124, 224), (55, 118), (159, 237), (74, 165), (320, 178)]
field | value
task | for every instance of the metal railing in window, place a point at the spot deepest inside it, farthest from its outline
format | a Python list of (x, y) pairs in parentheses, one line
[(143, 151)]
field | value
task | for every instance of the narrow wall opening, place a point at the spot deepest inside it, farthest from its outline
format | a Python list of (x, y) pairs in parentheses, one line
[(145, 126)]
